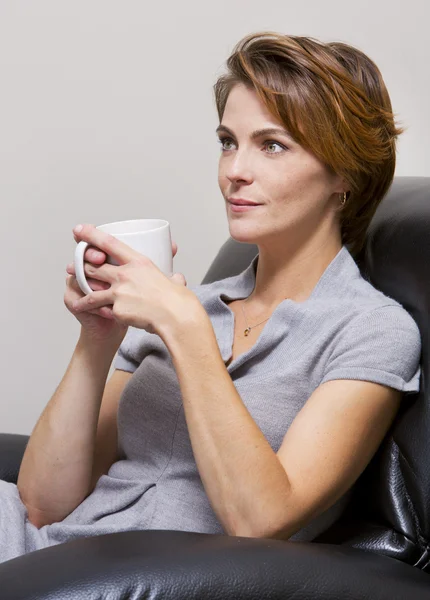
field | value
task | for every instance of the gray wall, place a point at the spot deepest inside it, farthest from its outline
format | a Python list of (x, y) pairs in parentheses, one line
[(107, 113)]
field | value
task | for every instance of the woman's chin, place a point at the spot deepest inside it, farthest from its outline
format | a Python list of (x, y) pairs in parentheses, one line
[(240, 234)]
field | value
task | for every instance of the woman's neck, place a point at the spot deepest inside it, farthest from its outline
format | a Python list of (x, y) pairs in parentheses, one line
[(292, 277)]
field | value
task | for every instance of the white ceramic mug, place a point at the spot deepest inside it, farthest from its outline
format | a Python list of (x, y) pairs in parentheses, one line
[(150, 237)]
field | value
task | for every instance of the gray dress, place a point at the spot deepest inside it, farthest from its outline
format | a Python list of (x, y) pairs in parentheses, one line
[(346, 329)]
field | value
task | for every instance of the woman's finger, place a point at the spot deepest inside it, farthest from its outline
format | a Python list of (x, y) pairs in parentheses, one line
[(95, 256), (98, 257), (179, 278), (92, 301), (70, 269), (104, 312), (95, 284)]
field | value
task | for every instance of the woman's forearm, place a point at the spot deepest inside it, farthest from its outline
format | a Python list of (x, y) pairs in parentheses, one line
[(56, 469), (243, 478)]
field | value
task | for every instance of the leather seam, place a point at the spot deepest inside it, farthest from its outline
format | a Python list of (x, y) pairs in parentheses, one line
[(423, 541)]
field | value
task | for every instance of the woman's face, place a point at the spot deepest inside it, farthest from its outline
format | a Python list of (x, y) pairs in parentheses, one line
[(295, 189)]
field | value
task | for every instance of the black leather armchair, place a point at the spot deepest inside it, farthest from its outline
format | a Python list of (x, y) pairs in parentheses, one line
[(380, 547)]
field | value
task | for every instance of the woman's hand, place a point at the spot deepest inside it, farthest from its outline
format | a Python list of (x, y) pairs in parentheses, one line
[(139, 294), (98, 324)]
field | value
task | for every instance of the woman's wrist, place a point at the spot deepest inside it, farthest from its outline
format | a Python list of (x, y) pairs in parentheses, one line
[(103, 351)]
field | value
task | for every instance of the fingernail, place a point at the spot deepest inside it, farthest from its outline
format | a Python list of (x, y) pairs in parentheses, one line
[(78, 228)]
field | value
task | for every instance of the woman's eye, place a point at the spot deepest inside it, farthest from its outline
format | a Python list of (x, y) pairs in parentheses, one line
[(270, 143), (223, 141)]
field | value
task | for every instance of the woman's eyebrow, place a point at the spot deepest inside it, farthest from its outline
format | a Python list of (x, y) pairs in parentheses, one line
[(257, 133)]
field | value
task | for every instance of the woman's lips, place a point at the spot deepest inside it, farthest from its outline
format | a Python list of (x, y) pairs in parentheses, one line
[(243, 207)]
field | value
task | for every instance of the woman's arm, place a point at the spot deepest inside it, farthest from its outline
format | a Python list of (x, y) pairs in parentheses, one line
[(254, 491), (55, 472)]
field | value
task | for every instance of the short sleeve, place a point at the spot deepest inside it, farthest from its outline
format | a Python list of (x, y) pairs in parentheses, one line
[(136, 344), (382, 345)]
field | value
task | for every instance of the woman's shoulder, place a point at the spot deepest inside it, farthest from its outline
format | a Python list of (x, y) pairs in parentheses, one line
[(355, 295), (372, 336)]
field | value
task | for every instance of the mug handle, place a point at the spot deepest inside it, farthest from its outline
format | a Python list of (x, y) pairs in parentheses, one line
[(79, 267)]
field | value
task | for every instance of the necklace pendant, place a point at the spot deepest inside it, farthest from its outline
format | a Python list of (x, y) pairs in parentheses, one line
[(247, 330)]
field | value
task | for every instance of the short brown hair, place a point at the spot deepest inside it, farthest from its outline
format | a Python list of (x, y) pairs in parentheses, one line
[(332, 99)]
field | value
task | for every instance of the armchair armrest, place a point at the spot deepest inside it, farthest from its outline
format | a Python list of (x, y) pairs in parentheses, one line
[(12, 448), (180, 565)]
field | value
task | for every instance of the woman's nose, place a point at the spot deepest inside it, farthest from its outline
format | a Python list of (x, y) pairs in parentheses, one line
[(239, 168)]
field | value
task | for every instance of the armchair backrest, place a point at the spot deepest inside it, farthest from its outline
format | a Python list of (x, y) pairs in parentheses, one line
[(389, 511)]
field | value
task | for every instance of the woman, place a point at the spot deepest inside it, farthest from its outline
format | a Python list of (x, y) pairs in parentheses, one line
[(253, 403)]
